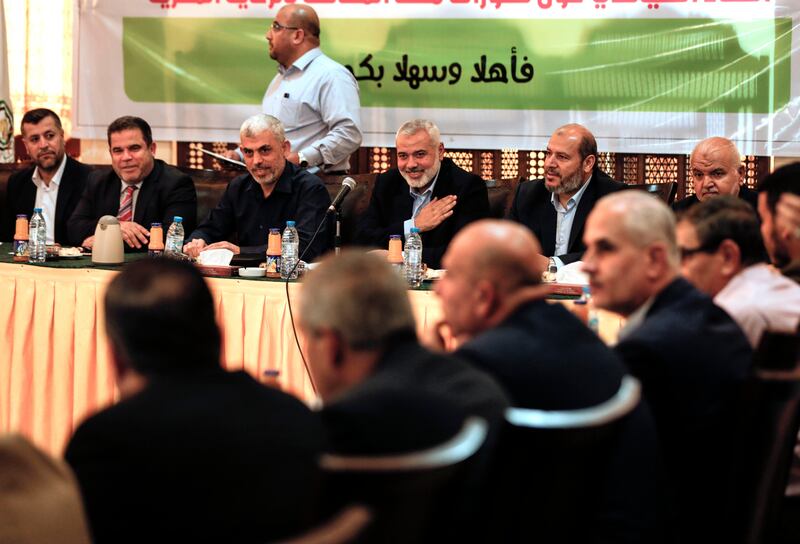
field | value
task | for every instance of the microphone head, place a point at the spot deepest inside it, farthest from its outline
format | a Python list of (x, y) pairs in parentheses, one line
[(349, 182)]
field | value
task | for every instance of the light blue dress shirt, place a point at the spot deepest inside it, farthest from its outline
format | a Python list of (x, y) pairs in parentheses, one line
[(419, 200), (565, 216)]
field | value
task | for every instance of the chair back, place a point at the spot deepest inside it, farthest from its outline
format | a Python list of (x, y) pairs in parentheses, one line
[(769, 426), (407, 491), (549, 469), (664, 191)]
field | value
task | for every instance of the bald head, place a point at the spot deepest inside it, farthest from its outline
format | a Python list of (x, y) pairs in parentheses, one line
[(716, 168), (587, 145), (499, 251), (305, 18)]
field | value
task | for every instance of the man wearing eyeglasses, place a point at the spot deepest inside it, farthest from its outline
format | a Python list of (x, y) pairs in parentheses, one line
[(315, 97), (721, 254)]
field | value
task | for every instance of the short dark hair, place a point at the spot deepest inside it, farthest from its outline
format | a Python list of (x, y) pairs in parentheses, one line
[(727, 218), (785, 179), (130, 122), (588, 146), (35, 116), (160, 316)]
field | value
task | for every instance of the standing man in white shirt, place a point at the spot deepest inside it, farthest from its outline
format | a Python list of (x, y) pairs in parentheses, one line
[(315, 97), (53, 182)]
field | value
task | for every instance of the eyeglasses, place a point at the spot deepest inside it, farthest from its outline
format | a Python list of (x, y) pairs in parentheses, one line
[(707, 248), (277, 27)]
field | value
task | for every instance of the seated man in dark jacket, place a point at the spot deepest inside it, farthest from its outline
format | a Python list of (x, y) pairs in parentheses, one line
[(555, 208), (139, 190), (191, 453), (426, 191), (690, 356), (54, 182), (273, 191)]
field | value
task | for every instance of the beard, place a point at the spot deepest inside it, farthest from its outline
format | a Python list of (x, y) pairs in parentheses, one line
[(569, 184), (49, 163), (424, 179)]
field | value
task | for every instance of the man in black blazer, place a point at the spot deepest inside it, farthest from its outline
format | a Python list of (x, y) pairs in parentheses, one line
[(717, 169), (690, 356), (426, 191), (159, 192), (546, 359), (555, 208), (54, 182), (191, 453)]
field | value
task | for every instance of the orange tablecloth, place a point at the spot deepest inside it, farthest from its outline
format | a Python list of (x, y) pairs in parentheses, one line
[(54, 360)]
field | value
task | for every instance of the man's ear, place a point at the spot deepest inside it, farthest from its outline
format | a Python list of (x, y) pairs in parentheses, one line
[(588, 164), (731, 258), (440, 151), (657, 260)]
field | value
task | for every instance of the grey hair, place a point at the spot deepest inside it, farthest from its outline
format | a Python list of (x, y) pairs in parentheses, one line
[(646, 220), (255, 125), (718, 143), (409, 128), (358, 295)]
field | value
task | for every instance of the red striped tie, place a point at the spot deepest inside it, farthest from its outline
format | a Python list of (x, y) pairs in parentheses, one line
[(126, 204)]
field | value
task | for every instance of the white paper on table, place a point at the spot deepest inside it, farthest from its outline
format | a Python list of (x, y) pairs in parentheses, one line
[(571, 273), (215, 257)]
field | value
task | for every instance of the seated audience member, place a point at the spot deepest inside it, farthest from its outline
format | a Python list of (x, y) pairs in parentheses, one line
[(39, 498), (362, 344), (717, 169), (780, 232), (54, 182), (546, 359), (273, 191), (191, 453), (690, 356), (555, 208), (426, 191), (721, 248), (139, 190)]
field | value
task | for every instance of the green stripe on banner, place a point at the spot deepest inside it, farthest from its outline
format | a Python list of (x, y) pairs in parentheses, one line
[(642, 65)]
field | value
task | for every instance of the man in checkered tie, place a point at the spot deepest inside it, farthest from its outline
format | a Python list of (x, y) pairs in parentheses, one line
[(139, 190)]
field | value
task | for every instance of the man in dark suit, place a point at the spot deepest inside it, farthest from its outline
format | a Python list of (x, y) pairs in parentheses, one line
[(140, 189), (717, 169), (690, 356), (555, 208), (779, 209), (494, 306), (191, 453), (54, 182), (426, 191)]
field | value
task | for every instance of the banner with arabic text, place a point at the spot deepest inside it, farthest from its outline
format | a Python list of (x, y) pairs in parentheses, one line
[(644, 76)]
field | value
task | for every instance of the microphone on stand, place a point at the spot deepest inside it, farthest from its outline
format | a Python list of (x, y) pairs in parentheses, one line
[(348, 184)]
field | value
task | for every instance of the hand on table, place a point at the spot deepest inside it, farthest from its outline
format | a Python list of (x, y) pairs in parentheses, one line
[(434, 212), (224, 245), (194, 248), (134, 234)]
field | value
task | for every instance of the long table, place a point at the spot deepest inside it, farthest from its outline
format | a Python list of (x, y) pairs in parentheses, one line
[(54, 358)]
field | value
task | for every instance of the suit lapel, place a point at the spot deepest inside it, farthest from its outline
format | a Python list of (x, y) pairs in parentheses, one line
[(147, 193), (548, 225), (65, 190), (584, 207)]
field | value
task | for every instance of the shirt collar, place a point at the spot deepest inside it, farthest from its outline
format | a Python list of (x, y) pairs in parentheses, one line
[(303, 62), (56, 179), (283, 185), (636, 318), (574, 199), (429, 190)]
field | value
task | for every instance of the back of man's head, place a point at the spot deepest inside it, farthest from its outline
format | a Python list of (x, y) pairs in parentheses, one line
[(727, 218), (360, 297), (785, 179), (160, 318)]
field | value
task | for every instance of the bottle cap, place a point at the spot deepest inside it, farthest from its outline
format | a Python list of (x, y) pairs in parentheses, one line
[(414, 229), (155, 225), (290, 223), (37, 210), (178, 219)]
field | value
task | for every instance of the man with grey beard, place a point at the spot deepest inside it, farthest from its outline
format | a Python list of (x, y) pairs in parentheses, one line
[(555, 208), (426, 191), (272, 192)]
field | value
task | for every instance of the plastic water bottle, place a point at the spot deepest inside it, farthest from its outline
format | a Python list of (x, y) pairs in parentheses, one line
[(592, 319), (173, 247), (37, 237), (290, 251), (412, 258)]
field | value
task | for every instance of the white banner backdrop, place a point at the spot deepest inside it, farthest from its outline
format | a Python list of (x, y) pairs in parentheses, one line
[(650, 77)]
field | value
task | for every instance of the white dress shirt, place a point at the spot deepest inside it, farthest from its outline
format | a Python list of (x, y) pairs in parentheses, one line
[(317, 100), (761, 299), (47, 198)]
